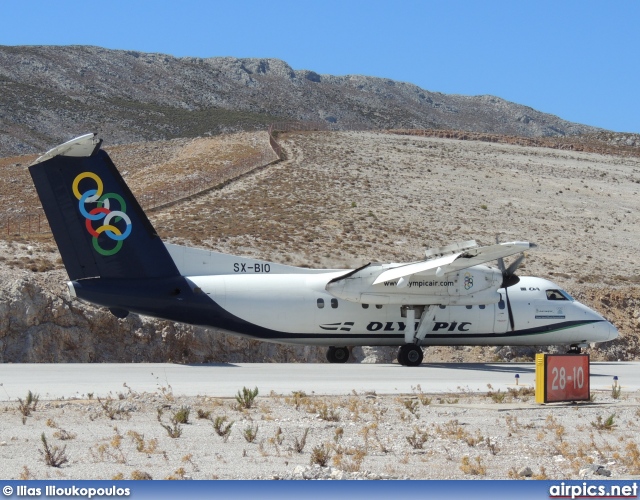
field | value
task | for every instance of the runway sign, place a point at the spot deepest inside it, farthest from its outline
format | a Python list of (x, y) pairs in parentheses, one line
[(562, 377)]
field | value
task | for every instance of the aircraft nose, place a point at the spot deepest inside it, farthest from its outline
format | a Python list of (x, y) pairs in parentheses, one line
[(613, 331)]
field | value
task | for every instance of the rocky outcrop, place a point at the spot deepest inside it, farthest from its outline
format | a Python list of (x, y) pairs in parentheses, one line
[(49, 94)]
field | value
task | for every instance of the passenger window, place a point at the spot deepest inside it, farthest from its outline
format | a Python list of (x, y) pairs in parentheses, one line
[(334, 303), (365, 306), (320, 303), (482, 306), (501, 304), (442, 307), (555, 295), (378, 306), (469, 307)]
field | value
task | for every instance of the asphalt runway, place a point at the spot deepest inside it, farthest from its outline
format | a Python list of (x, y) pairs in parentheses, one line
[(55, 381)]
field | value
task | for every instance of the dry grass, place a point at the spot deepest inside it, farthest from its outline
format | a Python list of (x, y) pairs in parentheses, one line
[(464, 439), (475, 467)]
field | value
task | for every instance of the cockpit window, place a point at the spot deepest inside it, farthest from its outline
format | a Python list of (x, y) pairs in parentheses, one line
[(567, 296), (558, 295)]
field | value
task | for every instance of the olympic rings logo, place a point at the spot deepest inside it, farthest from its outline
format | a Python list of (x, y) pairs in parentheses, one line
[(468, 281), (102, 211)]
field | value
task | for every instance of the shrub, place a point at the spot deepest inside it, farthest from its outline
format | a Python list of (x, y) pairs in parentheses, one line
[(321, 455), (497, 397), (28, 405), (142, 446), (222, 430), (250, 434), (247, 397), (417, 439), (474, 469), (606, 425), (616, 391), (138, 475), (412, 406), (300, 444), (328, 413), (53, 455), (181, 416), (174, 431), (112, 412), (203, 414)]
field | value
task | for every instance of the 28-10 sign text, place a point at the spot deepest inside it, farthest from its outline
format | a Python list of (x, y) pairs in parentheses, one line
[(567, 377)]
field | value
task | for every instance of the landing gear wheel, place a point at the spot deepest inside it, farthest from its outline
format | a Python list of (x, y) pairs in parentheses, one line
[(574, 349), (410, 355), (402, 356), (337, 355)]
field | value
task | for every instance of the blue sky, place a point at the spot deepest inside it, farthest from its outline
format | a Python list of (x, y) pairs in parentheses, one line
[(579, 60)]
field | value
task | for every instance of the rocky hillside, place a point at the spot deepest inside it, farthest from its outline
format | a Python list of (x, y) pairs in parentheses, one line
[(336, 202), (49, 94)]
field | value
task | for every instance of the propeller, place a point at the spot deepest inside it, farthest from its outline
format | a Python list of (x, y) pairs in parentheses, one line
[(509, 277)]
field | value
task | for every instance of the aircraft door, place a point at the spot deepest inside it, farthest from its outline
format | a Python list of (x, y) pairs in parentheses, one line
[(485, 318), (501, 316)]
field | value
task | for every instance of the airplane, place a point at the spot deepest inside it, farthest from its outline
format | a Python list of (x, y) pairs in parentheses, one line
[(115, 259)]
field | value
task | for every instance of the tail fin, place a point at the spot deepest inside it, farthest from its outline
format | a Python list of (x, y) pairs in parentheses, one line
[(98, 225)]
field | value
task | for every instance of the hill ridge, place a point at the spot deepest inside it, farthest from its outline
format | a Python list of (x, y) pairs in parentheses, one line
[(49, 94)]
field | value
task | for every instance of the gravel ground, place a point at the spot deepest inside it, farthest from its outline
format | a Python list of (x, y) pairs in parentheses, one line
[(463, 435)]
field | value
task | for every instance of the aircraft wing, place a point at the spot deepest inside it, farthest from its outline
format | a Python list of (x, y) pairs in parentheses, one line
[(455, 262)]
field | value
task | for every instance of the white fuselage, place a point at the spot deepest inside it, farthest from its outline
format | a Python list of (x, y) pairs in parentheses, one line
[(299, 306), (340, 308)]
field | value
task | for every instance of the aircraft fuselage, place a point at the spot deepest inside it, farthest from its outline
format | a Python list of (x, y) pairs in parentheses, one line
[(296, 309)]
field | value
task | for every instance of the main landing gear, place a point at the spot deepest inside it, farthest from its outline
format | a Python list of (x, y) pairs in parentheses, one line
[(410, 355), (574, 349), (337, 354)]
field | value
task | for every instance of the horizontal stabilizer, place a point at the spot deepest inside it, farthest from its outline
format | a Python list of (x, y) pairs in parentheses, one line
[(455, 262)]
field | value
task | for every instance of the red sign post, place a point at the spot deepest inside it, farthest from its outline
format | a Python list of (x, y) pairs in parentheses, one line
[(562, 377)]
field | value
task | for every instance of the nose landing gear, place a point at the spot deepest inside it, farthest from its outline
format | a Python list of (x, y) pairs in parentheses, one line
[(577, 348)]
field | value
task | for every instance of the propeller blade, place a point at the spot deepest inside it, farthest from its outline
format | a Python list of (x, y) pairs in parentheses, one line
[(509, 277), (501, 265), (500, 260), (511, 270), (506, 293)]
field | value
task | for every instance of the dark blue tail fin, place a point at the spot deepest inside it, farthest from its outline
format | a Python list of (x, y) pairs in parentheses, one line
[(98, 225)]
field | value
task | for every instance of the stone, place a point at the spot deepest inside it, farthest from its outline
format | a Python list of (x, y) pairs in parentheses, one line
[(594, 470), (525, 472)]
